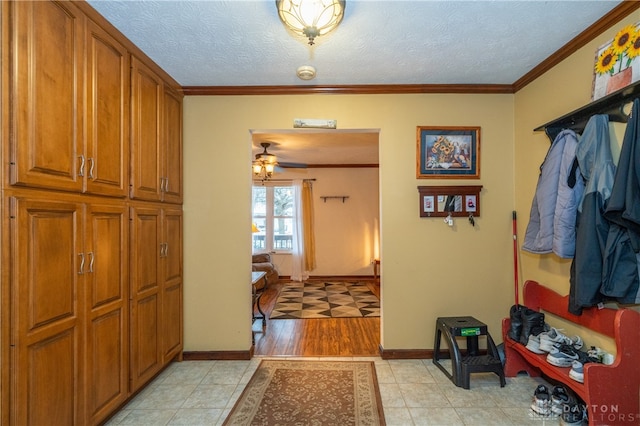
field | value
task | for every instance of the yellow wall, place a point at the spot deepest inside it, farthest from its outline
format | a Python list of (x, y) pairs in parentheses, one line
[(561, 90), (429, 269)]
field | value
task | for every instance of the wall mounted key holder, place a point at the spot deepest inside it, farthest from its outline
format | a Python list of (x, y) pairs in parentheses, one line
[(450, 201)]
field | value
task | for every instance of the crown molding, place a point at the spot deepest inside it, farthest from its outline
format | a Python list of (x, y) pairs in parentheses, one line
[(363, 89)]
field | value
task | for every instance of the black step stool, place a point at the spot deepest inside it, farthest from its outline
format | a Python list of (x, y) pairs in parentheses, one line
[(473, 362)]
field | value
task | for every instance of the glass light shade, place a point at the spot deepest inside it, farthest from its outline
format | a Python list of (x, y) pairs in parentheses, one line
[(257, 168), (269, 168), (310, 18), (267, 158)]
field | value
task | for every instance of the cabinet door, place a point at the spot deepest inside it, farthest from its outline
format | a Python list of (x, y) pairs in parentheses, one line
[(46, 75), (107, 155), (172, 285), (146, 107), (145, 294), (106, 281), (46, 298), (172, 154)]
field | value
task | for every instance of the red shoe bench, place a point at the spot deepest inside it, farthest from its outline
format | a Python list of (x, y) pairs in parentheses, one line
[(611, 392)]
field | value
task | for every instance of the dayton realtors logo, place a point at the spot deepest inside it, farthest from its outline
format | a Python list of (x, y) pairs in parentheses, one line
[(610, 414)]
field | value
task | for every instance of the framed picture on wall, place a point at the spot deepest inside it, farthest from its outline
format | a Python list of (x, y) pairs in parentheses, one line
[(448, 152), (617, 62)]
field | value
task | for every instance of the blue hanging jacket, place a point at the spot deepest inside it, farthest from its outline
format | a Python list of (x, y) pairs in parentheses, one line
[(622, 259), (598, 170), (552, 221)]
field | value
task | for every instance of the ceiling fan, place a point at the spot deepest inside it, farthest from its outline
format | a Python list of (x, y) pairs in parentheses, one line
[(266, 157)]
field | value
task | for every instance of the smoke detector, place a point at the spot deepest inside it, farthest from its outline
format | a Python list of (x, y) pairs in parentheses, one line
[(306, 72)]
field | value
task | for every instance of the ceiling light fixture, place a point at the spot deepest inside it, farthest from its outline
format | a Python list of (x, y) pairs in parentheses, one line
[(264, 164), (310, 18)]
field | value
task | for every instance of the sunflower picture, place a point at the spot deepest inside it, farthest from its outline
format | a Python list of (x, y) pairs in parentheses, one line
[(614, 66), (448, 152)]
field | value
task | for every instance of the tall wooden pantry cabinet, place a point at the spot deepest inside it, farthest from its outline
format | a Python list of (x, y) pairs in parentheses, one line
[(91, 261)]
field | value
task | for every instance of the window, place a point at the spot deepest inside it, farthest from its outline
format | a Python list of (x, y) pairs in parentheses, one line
[(273, 211)]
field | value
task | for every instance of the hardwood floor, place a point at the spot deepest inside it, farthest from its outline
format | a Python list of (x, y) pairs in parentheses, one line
[(315, 337)]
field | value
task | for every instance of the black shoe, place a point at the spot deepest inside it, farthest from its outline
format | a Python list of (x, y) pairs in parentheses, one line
[(573, 413), (559, 397), (515, 317), (541, 404), (532, 323)]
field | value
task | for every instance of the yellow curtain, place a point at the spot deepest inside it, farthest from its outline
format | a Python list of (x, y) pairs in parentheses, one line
[(307, 223)]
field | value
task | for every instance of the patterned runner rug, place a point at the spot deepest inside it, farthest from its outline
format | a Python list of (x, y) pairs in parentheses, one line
[(283, 392), (325, 300)]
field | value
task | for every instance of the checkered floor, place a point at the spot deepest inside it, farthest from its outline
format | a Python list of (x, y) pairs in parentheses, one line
[(326, 300)]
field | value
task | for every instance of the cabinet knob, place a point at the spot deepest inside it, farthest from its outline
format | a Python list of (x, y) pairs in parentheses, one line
[(91, 261), (81, 171), (81, 270)]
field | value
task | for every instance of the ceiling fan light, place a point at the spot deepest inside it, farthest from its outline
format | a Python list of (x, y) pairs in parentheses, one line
[(265, 163), (310, 18), (269, 168)]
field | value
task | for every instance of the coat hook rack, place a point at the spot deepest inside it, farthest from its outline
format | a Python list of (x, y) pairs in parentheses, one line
[(611, 105), (325, 197)]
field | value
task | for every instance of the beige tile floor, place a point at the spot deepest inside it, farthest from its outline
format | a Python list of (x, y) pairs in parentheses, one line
[(414, 392)]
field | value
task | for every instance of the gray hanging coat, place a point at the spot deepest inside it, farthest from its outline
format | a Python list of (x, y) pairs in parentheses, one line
[(552, 221), (622, 260), (597, 168)]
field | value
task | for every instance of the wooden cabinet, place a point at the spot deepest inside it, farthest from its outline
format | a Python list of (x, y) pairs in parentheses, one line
[(171, 264), (61, 138), (47, 309), (172, 146), (156, 137), (106, 335), (146, 108), (91, 294), (106, 169), (156, 290), (47, 86), (69, 288)]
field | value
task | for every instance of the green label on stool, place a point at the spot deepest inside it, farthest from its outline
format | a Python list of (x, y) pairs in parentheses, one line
[(475, 331)]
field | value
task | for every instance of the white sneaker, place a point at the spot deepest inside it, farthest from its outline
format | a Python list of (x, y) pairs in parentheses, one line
[(541, 404), (534, 344), (577, 371), (554, 338), (563, 356)]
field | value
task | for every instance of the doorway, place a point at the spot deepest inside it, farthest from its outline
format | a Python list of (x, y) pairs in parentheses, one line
[(343, 165)]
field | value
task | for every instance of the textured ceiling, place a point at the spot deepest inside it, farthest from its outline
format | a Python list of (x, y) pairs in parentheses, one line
[(243, 43)]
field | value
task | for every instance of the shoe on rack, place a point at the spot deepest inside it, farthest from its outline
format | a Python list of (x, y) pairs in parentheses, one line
[(596, 353), (577, 367), (574, 413), (541, 403), (562, 356), (559, 397), (532, 323), (577, 371), (534, 344), (515, 322), (554, 338)]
